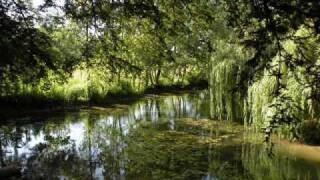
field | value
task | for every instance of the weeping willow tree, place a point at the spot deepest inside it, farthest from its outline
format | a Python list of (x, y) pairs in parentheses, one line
[(227, 103), (277, 83), (286, 100), (268, 101)]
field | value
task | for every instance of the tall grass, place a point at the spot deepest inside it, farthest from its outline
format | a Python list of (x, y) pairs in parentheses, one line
[(82, 87)]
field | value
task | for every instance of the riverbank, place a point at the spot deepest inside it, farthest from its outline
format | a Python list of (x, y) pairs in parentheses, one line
[(19, 107)]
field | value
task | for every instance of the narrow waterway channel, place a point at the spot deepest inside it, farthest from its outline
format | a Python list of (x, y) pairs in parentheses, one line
[(167, 136)]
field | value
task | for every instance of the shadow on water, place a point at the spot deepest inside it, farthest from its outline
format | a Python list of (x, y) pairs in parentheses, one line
[(163, 137)]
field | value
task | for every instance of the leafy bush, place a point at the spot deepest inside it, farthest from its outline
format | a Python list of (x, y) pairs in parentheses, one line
[(309, 131), (123, 89)]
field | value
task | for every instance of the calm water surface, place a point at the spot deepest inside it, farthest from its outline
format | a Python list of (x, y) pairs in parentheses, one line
[(163, 137)]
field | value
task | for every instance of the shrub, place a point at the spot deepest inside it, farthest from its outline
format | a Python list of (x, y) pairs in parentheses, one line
[(309, 132)]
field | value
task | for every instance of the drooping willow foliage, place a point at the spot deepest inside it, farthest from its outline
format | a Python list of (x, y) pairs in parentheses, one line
[(227, 102), (269, 87)]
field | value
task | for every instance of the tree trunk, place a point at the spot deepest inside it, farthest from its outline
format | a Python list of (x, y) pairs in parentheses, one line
[(158, 76)]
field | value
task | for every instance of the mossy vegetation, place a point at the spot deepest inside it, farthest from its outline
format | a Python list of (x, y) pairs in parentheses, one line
[(184, 145)]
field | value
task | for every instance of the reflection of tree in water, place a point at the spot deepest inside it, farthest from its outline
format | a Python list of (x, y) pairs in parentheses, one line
[(155, 151), (265, 161), (109, 139), (53, 161), (59, 156), (11, 139), (143, 140), (101, 151)]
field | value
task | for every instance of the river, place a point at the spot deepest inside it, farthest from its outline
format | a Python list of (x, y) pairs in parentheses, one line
[(168, 136)]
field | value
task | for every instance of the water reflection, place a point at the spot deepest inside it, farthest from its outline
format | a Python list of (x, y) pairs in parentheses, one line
[(166, 137)]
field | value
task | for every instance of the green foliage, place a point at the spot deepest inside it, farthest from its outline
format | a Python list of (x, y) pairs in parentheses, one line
[(276, 83), (125, 56), (123, 89), (227, 63), (309, 131)]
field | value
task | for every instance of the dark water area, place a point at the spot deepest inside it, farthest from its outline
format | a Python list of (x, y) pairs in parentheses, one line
[(159, 137)]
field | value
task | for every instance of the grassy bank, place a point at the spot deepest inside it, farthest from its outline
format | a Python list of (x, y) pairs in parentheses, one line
[(34, 104)]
